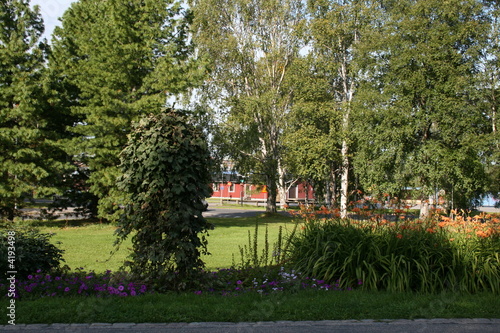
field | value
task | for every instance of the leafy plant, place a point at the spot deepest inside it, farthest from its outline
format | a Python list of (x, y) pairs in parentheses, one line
[(166, 177), (251, 257), (31, 251), (410, 255)]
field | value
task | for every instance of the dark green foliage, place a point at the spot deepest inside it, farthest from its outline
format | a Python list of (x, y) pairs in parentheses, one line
[(418, 123), (33, 252), (30, 160), (166, 177), (116, 61), (411, 258)]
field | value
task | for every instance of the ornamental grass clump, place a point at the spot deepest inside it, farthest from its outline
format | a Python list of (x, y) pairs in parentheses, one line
[(429, 256)]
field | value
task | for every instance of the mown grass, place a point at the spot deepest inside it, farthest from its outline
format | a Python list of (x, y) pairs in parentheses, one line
[(89, 245), (306, 305)]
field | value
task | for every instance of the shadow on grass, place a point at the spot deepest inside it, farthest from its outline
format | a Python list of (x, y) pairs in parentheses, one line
[(224, 222), (227, 222), (65, 223)]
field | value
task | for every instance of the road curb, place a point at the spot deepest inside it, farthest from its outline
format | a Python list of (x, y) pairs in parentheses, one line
[(440, 325)]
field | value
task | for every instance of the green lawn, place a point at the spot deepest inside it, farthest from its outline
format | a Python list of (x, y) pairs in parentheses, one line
[(306, 305), (90, 245)]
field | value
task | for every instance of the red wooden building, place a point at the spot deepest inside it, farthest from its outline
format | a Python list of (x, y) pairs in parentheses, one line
[(299, 192)]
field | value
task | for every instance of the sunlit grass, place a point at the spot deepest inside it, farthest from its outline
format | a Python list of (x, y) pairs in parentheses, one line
[(89, 246), (306, 305)]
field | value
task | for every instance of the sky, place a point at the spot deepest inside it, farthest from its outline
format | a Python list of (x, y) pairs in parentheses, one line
[(51, 11)]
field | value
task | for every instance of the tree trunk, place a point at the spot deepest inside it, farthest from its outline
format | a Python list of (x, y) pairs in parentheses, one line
[(344, 180), (271, 195), (424, 210), (282, 188)]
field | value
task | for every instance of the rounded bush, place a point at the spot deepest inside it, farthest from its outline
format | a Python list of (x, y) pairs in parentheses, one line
[(30, 250)]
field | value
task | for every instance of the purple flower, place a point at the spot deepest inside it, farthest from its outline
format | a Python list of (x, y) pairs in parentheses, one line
[(66, 289), (121, 288), (133, 293), (198, 292), (239, 282), (30, 277)]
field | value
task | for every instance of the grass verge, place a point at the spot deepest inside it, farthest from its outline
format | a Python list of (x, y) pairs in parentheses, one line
[(305, 305)]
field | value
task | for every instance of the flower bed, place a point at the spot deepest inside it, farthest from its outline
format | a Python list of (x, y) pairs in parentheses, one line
[(403, 254), (74, 283)]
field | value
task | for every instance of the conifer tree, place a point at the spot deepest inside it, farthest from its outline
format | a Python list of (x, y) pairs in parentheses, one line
[(30, 161), (117, 60)]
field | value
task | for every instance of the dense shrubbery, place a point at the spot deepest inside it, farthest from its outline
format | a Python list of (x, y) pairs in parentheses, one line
[(166, 177), (408, 255), (32, 251)]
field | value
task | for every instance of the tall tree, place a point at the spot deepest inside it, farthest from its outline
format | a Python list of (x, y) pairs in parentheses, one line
[(337, 27), (30, 160), (419, 124), (489, 94), (311, 139), (117, 60), (250, 46)]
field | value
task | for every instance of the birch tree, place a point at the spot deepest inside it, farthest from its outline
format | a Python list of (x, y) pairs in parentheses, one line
[(337, 28), (250, 46), (489, 94), (419, 125)]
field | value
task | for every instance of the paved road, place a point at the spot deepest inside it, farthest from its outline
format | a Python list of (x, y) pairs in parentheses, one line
[(337, 326), (214, 211)]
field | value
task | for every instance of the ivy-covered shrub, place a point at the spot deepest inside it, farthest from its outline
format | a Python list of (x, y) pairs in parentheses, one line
[(26, 251), (166, 176)]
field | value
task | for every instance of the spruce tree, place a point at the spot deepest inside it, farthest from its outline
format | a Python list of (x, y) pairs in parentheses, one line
[(117, 60), (31, 163)]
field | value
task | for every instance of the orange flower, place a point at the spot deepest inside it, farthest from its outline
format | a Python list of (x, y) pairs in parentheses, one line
[(431, 230), (399, 236), (481, 234)]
